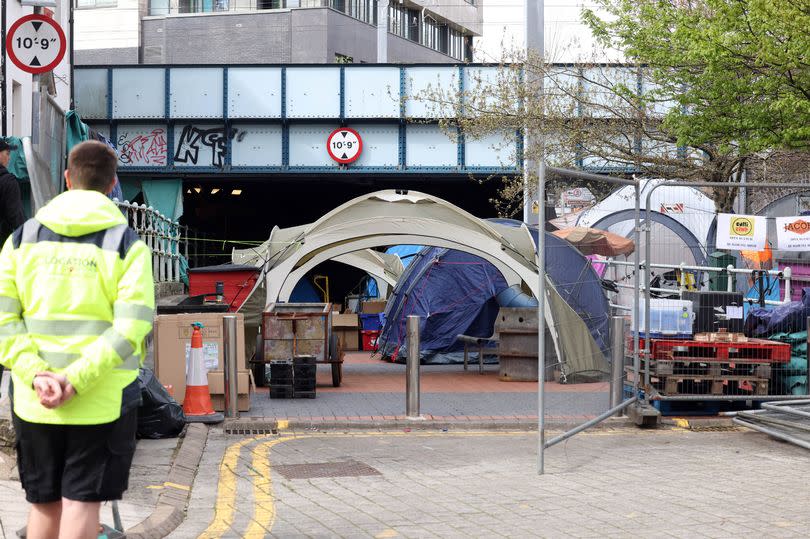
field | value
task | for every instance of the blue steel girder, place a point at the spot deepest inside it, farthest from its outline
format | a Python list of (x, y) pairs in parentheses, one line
[(205, 140)]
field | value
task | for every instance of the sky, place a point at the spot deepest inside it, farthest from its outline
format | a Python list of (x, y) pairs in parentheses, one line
[(567, 39)]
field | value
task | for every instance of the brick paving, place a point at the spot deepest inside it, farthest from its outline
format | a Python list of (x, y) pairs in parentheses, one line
[(616, 482), (375, 389)]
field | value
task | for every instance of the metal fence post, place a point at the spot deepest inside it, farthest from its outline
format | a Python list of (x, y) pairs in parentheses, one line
[(617, 334), (412, 376), (230, 367)]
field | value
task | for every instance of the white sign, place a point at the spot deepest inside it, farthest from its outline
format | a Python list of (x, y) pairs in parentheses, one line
[(578, 194), (344, 145), (741, 232), (36, 44), (793, 233), (210, 355)]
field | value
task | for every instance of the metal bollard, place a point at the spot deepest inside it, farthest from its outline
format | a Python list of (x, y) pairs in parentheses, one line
[(617, 330), (412, 370), (229, 368)]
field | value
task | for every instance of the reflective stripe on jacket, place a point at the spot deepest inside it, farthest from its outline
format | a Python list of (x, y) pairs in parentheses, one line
[(77, 298)]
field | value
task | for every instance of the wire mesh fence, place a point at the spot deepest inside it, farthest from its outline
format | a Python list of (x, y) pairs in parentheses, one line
[(589, 303), (726, 313)]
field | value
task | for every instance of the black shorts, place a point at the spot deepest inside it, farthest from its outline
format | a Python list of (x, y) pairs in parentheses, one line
[(85, 463)]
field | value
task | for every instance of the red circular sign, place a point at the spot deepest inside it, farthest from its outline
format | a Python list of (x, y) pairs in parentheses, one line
[(344, 145), (36, 44)]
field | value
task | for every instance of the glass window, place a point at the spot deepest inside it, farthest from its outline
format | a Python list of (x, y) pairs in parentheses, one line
[(398, 20), (413, 25)]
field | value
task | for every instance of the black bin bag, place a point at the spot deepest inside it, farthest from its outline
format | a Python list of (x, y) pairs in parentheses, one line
[(160, 416)]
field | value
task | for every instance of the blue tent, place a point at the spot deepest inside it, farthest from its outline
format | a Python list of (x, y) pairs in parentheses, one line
[(456, 293), (406, 254)]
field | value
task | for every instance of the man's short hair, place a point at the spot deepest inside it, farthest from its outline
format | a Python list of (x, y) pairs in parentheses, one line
[(92, 166)]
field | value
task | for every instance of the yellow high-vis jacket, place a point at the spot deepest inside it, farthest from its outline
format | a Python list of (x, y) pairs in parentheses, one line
[(77, 298)]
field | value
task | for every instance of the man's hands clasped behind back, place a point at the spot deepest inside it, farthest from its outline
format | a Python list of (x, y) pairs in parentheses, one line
[(53, 389)]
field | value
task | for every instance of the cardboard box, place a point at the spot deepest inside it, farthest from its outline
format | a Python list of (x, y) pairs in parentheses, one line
[(244, 387), (372, 307), (350, 337), (341, 321), (346, 327), (173, 338)]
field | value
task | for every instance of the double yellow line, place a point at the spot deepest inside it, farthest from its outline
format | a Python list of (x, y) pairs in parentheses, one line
[(264, 511)]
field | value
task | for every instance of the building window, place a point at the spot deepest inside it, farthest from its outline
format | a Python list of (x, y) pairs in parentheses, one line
[(362, 10), (429, 32), (397, 19), (90, 4), (457, 44)]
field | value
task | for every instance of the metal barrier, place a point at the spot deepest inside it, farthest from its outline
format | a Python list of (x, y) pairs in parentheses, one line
[(584, 347), (710, 333), (161, 235)]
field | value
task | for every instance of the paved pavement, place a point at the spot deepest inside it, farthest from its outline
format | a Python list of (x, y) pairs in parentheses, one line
[(318, 476), (375, 389), (619, 482)]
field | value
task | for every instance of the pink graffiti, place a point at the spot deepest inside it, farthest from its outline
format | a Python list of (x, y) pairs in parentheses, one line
[(149, 149)]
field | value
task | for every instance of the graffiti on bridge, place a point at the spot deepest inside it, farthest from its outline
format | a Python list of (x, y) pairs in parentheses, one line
[(143, 148), (193, 141)]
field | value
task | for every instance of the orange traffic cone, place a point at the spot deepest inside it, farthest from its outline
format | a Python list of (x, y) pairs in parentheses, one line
[(197, 403)]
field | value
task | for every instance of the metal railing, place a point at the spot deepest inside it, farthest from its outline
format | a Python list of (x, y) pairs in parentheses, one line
[(784, 275), (163, 237)]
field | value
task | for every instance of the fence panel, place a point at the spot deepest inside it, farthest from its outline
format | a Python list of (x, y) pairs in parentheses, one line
[(588, 323), (725, 319)]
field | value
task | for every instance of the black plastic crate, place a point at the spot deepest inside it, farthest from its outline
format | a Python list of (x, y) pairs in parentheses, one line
[(280, 373), (304, 385), (281, 392), (305, 371), (304, 394), (304, 360)]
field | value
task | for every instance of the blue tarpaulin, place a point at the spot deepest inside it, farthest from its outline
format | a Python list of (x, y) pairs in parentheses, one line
[(788, 318), (454, 293)]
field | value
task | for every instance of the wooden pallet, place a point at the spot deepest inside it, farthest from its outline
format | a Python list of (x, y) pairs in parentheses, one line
[(678, 384), (688, 350), (759, 369)]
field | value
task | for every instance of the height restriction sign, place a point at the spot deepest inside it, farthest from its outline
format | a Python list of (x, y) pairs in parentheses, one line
[(36, 44), (344, 145)]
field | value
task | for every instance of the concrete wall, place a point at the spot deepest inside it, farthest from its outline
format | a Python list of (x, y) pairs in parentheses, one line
[(218, 38), (401, 50), (124, 55), (350, 37), (108, 28), (306, 36)]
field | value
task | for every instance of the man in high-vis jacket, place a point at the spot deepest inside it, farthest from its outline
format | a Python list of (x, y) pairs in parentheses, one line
[(76, 304)]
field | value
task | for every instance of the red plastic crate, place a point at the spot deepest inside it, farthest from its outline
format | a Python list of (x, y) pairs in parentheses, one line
[(370, 340)]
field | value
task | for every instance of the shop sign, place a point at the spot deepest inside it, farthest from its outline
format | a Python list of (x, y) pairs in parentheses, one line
[(793, 233), (741, 232)]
